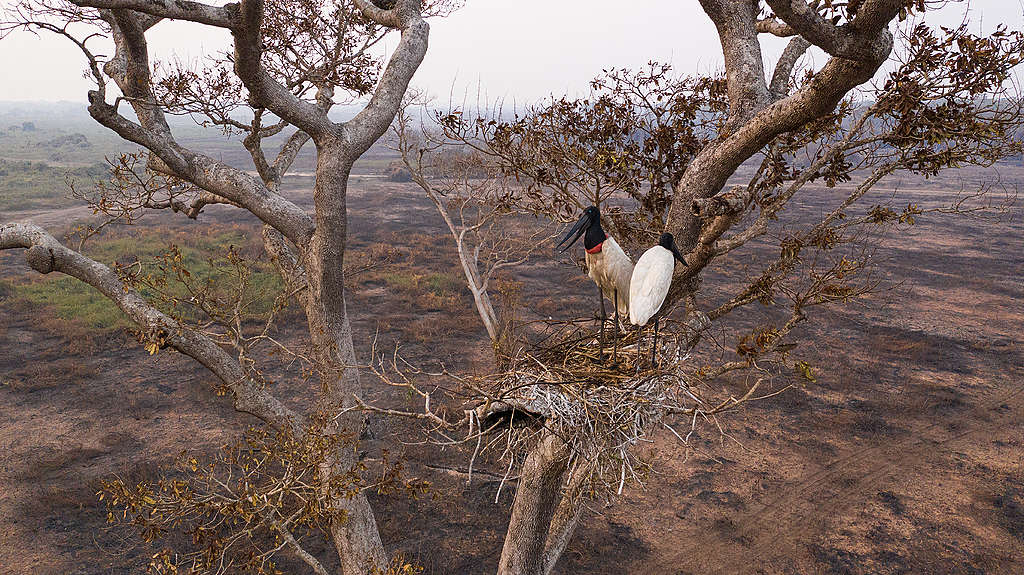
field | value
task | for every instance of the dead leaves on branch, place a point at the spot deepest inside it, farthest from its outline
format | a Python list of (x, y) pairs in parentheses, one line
[(130, 191), (948, 103), (629, 140), (260, 497)]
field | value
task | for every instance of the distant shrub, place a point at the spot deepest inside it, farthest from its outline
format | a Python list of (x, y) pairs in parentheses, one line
[(34, 184), (75, 140), (397, 172)]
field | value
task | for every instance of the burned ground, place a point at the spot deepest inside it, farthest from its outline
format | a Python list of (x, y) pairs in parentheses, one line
[(905, 456)]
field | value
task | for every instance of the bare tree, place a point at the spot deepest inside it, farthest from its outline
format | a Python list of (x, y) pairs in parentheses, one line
[(659, 151), (478, 204)]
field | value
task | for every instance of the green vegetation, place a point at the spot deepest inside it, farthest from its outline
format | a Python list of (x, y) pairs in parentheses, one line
[(64, 146), (436, 283), (441, 284), (72, 300), (28, 185), (205, 258), (44, 147)]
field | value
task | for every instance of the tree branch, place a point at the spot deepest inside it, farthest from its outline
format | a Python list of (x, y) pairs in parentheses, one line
[(373, 120), (807, 22), (45, 254), (775, 27), (710, 170), (234, 185), (130, 69), (384, 17), (289, 151), (737, 29), (779, 86), (299, 551), (264, 90), (219, 16), (858, 40)]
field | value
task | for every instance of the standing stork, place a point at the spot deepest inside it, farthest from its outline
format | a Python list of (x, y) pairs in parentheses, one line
[(608, 266), (649, 285)]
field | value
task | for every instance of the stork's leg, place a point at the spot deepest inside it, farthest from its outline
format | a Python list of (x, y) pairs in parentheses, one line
[(654, 348), (615, 330), (639, 340), (604, 317)]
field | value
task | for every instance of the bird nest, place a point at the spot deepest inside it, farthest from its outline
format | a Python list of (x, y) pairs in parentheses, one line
[(569, 385)]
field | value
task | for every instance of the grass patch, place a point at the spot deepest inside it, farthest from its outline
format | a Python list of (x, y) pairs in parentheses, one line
[(73, 300), (400, 280), (424, 307), (203, 255), (441, 285), (29, 185)]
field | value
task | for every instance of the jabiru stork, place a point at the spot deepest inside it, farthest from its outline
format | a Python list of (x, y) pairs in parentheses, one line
[(608, 266), (649, 285)]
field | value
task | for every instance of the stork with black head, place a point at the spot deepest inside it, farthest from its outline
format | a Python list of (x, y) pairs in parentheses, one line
[(649, 284), (608, 265)]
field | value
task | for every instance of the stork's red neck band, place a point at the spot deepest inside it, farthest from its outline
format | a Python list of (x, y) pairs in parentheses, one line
[(596, 249)]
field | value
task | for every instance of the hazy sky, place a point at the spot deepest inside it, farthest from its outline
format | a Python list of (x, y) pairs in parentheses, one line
[(521, 50)]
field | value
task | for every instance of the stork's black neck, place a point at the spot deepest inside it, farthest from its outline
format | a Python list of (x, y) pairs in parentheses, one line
[(595, 235)]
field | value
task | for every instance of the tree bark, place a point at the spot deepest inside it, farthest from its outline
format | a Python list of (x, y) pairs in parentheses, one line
[(858, 50), (536, 499), (480, 298), (354, 528), (469, 265), (736, 22), (567, 517)]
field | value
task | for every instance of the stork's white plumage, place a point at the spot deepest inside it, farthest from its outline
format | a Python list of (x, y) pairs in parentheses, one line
[(608, 265), (649, 284), (611, 268)]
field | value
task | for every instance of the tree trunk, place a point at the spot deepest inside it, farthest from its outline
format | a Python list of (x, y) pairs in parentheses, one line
[(480, 297), (354, 528), (566, 518), (468, 262), (534, 507)]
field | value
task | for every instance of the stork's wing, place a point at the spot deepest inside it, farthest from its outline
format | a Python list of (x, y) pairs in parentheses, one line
[(620, 268), (649, 285)]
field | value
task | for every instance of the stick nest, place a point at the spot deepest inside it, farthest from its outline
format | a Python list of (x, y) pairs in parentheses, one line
[(568, 385)]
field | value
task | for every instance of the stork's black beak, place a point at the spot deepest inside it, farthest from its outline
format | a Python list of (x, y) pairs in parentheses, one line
[(677, 255), (575, 232)]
